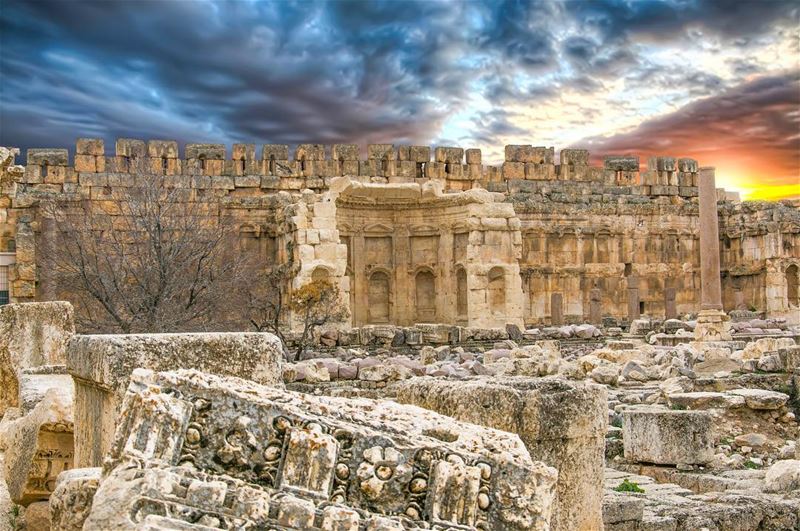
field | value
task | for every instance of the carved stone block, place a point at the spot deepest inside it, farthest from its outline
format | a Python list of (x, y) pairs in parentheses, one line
[(31, 334), (38, 446), (561, 423), (377, 458), (102, 365)]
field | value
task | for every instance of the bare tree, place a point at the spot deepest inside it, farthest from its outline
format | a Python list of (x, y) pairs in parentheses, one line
[(272, 307), (268, 301), (315, 304), (151, 259)]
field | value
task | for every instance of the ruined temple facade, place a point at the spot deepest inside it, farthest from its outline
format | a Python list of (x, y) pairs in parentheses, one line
[(415, 235)]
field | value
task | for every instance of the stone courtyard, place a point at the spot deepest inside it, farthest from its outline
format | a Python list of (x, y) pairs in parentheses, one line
[(544, 344)]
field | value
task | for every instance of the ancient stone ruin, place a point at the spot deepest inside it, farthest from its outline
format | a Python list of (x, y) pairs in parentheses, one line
[(411, 234), (543, 344)]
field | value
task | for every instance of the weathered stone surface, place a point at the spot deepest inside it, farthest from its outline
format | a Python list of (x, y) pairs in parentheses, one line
[(178, 498), (753, 440), (705, 400), (72, 497), (38, 446), (37, 516), (667, 437), (620, 508), (379, 457), (761, 399), (783, 476), (31, 334), (561, 423), (6, 506), (102, 365), (621, 163)]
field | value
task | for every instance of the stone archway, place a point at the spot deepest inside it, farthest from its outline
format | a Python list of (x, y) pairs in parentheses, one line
[(378, 298), (497, 290), (425, 297)]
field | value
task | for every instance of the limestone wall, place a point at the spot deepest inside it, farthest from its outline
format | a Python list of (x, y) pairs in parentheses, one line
[(760, 251), (562, 240)]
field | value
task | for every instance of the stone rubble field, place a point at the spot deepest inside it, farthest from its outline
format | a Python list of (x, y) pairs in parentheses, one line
[(577, 427)]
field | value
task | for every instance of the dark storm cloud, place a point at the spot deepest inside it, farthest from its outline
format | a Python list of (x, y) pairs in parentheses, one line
[(670, 19), (333, 72), (223, 71)]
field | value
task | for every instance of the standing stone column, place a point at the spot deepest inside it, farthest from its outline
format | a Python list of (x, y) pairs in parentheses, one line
[(710, 285), (712, 322)]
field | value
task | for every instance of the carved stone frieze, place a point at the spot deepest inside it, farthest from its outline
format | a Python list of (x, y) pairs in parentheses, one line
[(377, 458)]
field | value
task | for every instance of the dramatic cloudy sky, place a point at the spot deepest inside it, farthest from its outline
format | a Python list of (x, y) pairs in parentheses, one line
[(719, 81)]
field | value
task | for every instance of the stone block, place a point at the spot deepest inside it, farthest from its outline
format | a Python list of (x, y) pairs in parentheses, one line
[(242, 152), (343, 152), (38, 446), (574, 157), (621, 163), (705, 400), (84, 163), (309, 152), (761, 399), (205, 151), (539, 172), (519, 153), (561, 423), (162, 149), (687, 165), (35, 382), (349, 168), (247, 181), (102, 365), (381, 152), (667, 437), (131, 148), (419, 153), (31, 334), (290, 455), (71, 501), (473, 156), (661, 164), (90, 146), (527, 153), (407, 170), (449, 155), (222, 182), (275, 151), (513, 170), (50, 157), (663, 190), (621, 509)]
